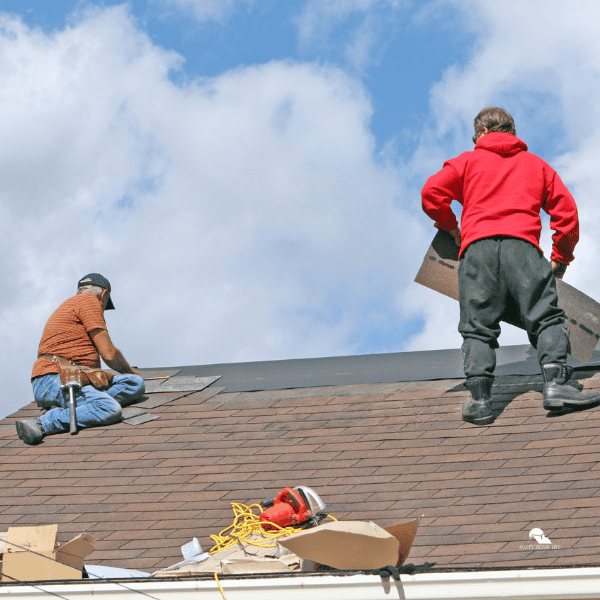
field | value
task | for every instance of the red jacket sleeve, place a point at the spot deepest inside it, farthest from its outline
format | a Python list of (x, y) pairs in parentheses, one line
[(561, 207), (437, 195)]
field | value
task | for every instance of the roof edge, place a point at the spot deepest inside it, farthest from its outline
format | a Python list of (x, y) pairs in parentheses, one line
[(534, 584)]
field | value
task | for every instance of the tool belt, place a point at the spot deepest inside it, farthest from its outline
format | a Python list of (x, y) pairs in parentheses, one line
[(71, 372)]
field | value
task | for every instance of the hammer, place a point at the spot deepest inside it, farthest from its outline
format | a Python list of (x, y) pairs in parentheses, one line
[(73, 382)]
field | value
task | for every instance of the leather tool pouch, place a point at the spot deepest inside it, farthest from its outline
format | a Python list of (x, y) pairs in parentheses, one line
[(73, 373)]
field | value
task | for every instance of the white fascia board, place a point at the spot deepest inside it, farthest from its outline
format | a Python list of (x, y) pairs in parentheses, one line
[(552, 584)]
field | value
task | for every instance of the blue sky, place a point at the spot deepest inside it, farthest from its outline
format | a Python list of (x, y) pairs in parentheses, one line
[(247, 172), (410, 47)]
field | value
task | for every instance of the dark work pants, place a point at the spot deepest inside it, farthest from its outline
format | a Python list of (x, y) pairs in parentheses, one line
[(491, 271)]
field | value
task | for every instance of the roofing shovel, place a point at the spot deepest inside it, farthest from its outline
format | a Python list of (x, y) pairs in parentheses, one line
[(73, 383)]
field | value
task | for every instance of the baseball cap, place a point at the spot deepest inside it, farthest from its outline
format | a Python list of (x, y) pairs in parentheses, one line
[(100, 281)]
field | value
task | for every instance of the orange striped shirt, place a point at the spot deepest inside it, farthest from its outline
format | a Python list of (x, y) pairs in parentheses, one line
[(66, 334)]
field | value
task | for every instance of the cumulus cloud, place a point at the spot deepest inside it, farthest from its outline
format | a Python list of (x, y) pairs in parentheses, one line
[(541, 61), (365, 23), (244, 217)]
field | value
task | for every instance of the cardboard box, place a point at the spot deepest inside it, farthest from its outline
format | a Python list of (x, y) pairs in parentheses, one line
[(241, 558), (351, 545), (33, 554)]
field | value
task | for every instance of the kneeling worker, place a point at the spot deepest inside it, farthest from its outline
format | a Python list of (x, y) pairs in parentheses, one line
[(77, 332), (502, 188)]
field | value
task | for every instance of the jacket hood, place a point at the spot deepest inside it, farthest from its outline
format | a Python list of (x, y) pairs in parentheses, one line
[(505, 144)]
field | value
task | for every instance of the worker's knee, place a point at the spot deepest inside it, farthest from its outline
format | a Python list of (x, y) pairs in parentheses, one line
[(138, 386), (109, 412), (97, 408), (126, 388), (115, 415)]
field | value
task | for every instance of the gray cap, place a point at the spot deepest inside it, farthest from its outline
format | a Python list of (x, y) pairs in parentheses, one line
[(100, 281)]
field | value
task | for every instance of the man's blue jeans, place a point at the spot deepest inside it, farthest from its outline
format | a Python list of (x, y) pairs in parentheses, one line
[(94, 407)]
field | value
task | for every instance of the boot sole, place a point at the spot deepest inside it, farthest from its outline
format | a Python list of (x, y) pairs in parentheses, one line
[(582, 403), (480, 420), (553, 404)]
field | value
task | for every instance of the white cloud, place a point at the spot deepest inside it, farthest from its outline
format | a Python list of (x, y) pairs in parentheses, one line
[(541, 60), (320, 17), (207, 10), (243, 217)]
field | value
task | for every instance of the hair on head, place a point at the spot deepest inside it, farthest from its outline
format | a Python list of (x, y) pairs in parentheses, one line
[(494, 118)]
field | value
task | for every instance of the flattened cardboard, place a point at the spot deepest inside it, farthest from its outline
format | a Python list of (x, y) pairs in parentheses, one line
[(253, 564), (31, 555), (439, 272), (405, 534), (346, 545), (241, 556), (73, 552)]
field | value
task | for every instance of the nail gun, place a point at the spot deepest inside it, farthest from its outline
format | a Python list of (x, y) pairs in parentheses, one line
[(295, 507)]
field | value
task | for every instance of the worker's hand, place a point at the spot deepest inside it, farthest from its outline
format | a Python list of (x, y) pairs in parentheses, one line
[(558, 269), (455, 233), (134, 371)]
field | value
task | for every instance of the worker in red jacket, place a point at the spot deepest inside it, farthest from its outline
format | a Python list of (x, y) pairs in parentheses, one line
[(502, 188)]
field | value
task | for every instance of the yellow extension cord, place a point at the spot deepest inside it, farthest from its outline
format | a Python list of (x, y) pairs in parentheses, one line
[(220, 588), (245, 523)]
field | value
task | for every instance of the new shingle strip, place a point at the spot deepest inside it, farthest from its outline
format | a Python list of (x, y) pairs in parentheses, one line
[(148, 374), (157, 400), (180, 384), (136, 416), (162, 394)]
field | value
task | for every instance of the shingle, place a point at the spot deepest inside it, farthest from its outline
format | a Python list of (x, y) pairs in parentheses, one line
[(380, 452)]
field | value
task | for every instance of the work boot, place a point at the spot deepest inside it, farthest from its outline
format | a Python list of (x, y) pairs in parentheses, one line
[(557, 394), (478, 410), (31, 430)]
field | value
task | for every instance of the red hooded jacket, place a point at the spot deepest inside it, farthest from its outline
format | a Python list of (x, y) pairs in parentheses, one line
[(502, 188)]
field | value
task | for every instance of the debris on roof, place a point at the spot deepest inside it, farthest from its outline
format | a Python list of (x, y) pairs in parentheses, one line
[(33, 554)]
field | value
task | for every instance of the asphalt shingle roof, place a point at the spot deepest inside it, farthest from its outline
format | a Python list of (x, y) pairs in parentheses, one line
[(382, 452)]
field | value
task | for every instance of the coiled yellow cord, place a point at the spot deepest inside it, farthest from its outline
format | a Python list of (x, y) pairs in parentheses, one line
[(246, 523)]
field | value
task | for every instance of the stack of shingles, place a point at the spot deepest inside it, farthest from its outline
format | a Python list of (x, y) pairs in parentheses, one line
[(384, 452)]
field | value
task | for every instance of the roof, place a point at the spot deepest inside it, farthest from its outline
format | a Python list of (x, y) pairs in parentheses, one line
[(384, 452)]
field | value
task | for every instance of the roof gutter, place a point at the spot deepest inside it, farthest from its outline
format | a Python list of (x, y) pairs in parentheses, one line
[(551, 584)]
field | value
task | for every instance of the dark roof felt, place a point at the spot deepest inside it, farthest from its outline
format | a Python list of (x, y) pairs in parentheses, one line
[(382, 452)]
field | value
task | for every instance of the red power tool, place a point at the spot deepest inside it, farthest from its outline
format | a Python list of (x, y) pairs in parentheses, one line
[(290, 507)]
